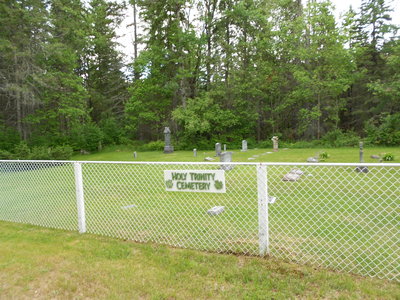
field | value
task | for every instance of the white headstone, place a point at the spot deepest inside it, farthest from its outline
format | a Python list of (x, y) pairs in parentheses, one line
[(291, 177), (216, 210), (217, 149), (312, 160), (244, 146), (275, 143), (226, 157)]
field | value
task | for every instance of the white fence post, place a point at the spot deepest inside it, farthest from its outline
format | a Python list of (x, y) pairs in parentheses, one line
[(80, 202), (262, 191)]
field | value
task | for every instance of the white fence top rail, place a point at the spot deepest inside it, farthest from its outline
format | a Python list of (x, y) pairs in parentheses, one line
[(210, 163)]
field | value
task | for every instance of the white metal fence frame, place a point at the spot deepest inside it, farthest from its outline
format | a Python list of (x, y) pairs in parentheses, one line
[(242, 240)]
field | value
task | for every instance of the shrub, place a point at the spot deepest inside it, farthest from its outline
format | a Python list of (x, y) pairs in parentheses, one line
[(4, 154), (388, 157), (86, 137), (40, 153), (384, 130), (8, 138), (338, 138), (22, 151), (112, 131), (324, 155), (153, 146), (61, 153)]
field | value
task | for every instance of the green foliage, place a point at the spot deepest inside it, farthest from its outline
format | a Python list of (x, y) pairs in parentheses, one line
[(153, 146), (40, 153), (323, 156), (61, 152), (86, 137), (203, 119), (4, 154), (22, 151), (238, 70), (8, 138), (384, 130), (388, 157), (338, 138), (112, 131)]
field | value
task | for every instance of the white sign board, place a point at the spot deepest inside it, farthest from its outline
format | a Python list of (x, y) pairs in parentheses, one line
[(200, 181)]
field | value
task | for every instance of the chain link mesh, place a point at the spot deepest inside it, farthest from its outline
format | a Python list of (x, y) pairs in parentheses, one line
[(325, 215), (336, 217)]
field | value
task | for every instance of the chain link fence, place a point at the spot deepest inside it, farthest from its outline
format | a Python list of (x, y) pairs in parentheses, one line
[(340, 216)]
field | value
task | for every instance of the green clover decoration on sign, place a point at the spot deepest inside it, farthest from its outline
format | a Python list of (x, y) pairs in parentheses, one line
[(169, 184), (218, 185)]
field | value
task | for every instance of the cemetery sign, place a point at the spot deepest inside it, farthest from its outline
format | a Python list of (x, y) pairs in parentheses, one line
[(200, 181)]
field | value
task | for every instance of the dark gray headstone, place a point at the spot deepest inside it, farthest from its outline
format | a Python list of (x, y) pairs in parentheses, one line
[(361, 152), (168, 148), (362, 169)]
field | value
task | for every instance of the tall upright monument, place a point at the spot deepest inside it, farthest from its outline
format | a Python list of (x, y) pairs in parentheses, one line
[(167, 134)]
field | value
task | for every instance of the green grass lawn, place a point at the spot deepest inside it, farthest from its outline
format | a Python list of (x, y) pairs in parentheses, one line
[(40, 263)]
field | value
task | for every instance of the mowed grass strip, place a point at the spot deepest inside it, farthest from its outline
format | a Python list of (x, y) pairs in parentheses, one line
[(336, 155), (40, 263)]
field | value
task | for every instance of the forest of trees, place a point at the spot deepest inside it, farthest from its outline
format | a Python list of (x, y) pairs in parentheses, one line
[(211, 70)]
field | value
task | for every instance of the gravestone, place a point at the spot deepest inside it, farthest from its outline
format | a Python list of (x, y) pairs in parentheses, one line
[(216, 210), (195, 152), (226, 157), (362, 169), (275, 143), (224, 147), (291, 177), (296, 171), (312, 160), (167, 134), (244, 146), (217, 149), (129, 206), (134, 154)]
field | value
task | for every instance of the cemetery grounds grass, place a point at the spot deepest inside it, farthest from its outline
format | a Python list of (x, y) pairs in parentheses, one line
[(336, 155), (41, 263)]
